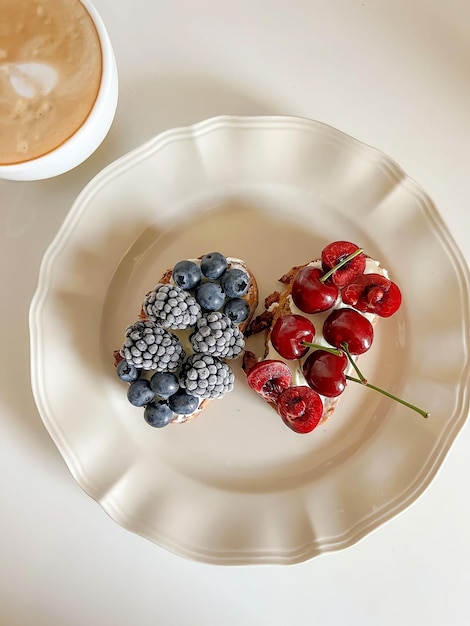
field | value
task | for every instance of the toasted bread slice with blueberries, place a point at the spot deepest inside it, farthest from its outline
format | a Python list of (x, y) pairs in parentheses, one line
[(314, 328), (176, 356)]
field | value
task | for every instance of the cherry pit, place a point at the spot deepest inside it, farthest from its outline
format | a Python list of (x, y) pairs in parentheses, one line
[(340, 287)]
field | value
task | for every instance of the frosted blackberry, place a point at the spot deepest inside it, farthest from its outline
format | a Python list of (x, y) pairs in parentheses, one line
[(170, 306), (204, 376), (215, 334), (150, 347)]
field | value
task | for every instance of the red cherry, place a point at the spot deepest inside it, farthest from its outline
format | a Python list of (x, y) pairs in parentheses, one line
[(269, 378), (309, 294), (334, 253), (288, 334), (325, 372), (301, 408), (373, 293), (350, 327)]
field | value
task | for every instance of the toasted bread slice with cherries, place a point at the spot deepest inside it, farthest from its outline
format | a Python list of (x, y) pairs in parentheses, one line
[(288, 310)]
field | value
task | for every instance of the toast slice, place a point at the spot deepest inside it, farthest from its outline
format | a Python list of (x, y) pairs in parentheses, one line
[(183, 336), (280, 303)]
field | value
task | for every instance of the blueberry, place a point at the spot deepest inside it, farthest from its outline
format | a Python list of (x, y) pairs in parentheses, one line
[(235, 283), (158, 414), (187, 274), (213, 265), (237, 310), (140, 393), (164, 384), (210, 296), (183, 403), (127, 372)]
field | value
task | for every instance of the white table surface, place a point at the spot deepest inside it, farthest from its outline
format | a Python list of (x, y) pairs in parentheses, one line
[(395, 75)]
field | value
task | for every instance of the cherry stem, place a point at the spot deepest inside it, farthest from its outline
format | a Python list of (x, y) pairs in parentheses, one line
[(350, 257), (345, 347), (389, 395), (325, 348), (361, 380)]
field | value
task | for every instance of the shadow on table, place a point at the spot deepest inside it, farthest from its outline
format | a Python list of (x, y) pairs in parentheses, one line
[(150, 104)]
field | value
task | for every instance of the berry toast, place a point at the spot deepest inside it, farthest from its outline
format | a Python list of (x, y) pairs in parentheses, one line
[(175, 355), (315, 328)]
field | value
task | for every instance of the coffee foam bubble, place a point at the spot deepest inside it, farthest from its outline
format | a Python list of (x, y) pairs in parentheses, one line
[(30, 80)]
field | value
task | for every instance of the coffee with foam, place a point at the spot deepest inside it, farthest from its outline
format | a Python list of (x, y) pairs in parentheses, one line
[(50, 74)]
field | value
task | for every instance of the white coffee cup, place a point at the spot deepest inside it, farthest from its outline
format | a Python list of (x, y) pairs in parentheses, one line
[(79, 146)]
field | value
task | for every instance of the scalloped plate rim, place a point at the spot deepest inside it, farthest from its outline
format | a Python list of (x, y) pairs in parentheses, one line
[(312, 549)]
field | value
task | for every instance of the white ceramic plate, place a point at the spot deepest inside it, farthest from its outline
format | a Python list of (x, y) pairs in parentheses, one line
[(235, 485)]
